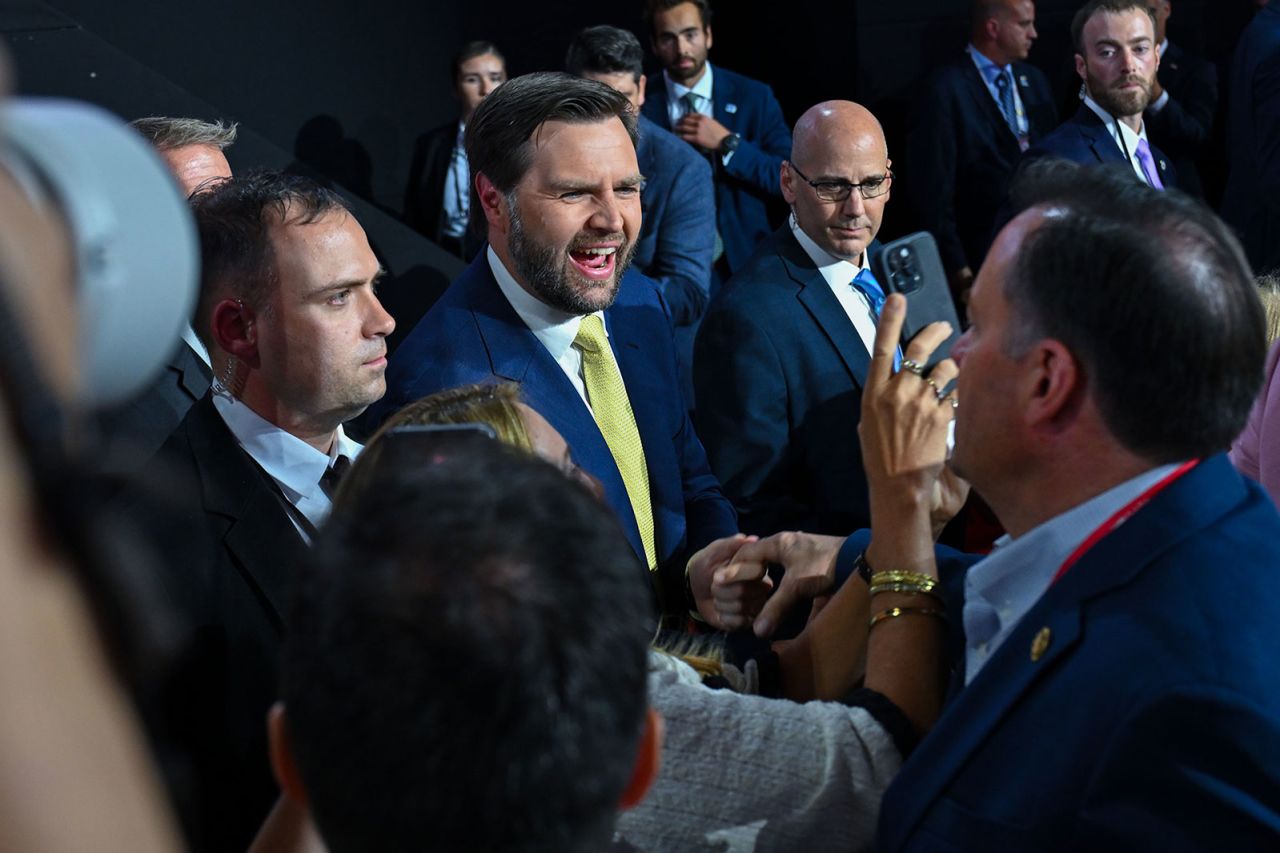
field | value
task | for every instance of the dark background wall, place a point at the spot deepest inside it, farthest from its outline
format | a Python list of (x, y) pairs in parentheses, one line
[(346, 87)]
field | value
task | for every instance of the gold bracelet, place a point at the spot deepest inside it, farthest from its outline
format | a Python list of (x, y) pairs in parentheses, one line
[(925, 582), (903, 588), (894, 612)]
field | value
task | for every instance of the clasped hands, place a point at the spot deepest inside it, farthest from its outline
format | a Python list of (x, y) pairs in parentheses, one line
[(903, 433)]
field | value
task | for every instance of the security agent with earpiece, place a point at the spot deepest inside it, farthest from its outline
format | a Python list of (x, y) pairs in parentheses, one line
[(298, 344)]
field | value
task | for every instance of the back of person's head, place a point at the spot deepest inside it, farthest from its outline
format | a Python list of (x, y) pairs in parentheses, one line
[(166, 133), (1154, 298), (1107, 7), (494, 405), (605, 50), (653, 7), (465, 664), (234, 218), (499, 137)]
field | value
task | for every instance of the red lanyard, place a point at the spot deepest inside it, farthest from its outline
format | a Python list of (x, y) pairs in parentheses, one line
[(1122, 515)]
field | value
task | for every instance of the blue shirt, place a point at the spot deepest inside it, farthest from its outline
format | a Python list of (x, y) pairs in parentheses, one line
[(1002, 587), (990, 71), (457, 190)]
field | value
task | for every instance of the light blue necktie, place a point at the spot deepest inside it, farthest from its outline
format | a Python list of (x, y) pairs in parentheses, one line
[(1004, 85), (865, 283)]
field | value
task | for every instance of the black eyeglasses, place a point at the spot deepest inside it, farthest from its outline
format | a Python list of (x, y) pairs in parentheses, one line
[(840, 190)]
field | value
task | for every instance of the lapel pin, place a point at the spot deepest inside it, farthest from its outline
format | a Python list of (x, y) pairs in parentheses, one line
[(1163, 166), (1040, 644), (731, 108), (1022, 79)]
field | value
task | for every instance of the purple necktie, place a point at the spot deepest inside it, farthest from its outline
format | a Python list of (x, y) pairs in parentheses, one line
[(1148, 165)]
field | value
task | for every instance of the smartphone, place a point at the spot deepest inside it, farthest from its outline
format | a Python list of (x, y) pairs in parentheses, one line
[(912, 266)]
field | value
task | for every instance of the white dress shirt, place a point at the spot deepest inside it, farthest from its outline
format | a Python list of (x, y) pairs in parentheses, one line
[(295, 466), (676, 107), (839, 275), (553, 328), (1003, 586), (1126, 140)]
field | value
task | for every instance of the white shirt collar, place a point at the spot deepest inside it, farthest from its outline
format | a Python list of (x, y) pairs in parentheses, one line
[(1002, 587), (1164, 45), (985, 65), (837, 271), (294, 465), (197, 346), (554, 328), (702, 88), (1118, 128)]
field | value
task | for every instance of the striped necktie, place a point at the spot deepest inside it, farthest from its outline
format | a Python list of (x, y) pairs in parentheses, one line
[(617, 422)]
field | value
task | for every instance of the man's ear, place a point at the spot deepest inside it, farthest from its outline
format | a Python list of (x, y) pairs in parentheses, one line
[(1080, 68), (494, 204), (1057, 386), (281, 749), (640, 84), (648, 761), (785, 182), (707, 30), (234, 330)]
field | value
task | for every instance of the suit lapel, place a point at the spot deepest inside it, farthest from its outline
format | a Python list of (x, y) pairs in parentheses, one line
[(986, 105), (1095, 134), (193, 375), (816, 296), (260, 536), (1195, 501), (515, 354)]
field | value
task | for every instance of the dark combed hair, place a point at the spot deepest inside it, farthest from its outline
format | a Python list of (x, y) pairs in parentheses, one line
[(605, 50), (653, 7), (234, 218), (1093, 7), (499, 138), (1152, 294), (465, 665), (471, 50)]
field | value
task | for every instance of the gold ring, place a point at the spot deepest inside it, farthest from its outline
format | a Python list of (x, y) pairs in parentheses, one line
[(913, 367)]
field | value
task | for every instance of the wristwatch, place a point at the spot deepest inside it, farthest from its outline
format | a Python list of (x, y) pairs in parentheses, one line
[(730, 143)]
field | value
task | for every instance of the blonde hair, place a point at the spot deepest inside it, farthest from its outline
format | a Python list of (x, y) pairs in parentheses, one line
[(493, 404), (1269, 293)]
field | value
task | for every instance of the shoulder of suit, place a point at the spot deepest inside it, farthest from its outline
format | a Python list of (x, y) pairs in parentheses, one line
[(637, 290), (740, 83), (671, 151)]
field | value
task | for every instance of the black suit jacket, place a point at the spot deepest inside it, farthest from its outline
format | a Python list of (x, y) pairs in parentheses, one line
[(1182, 127), (778, 374), (962, 156), (132, 432), (228, 547), (424, 196)]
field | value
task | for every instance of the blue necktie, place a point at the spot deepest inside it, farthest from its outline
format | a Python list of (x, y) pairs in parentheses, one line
[(865, 283), (1004, 85)]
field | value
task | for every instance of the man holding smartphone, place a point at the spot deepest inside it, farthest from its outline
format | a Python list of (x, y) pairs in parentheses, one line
[(782, 354)]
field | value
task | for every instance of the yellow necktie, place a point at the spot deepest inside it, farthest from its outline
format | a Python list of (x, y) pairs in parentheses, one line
[(617, 423)]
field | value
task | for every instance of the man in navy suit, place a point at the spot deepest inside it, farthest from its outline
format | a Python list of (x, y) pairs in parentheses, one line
[(1117, 688), (677, 234), (981, 112), (733, 120), (1117, 58), (1251, 202), (551, 305), (1184, 102), (782, 354)]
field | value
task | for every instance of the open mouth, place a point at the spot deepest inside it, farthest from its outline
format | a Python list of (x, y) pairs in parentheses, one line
[(596, 263)]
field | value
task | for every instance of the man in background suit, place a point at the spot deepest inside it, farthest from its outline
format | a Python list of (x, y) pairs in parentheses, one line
[(678, 228), (551, 305), (297, 336), (1184, 101), (437, 202), (981, 112), (731, 119), (1251, 202), (132, 432), (1117, 58), (782, 354)]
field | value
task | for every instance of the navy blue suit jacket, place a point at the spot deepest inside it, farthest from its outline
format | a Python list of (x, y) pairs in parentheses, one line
[(678, 232), (472, 334), (750, 180), (778, 376), (1083, 138), (1152, 719), (963, 156), (1183, 126), (1251, 202)]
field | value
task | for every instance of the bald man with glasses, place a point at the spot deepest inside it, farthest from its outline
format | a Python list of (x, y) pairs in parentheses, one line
[(782, 354)]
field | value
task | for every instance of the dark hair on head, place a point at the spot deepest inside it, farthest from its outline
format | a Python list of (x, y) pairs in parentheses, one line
[(1144, 288), (471, 50), (234, 218), (1094, 7), (653, 7), (465, 667), (499, 137), (605, 50)]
